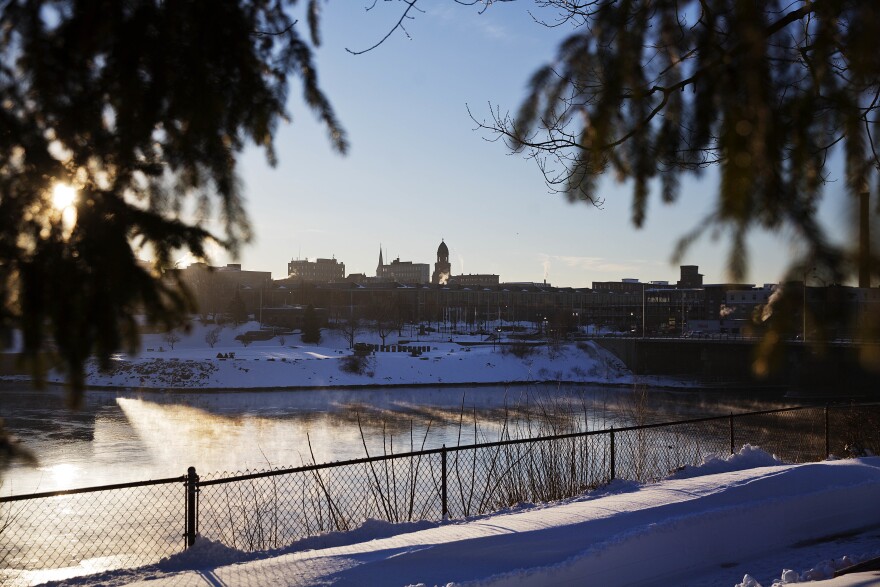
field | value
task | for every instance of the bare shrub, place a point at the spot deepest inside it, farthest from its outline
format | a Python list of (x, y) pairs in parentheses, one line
[(519, 349), (854, 430), (356, 364)]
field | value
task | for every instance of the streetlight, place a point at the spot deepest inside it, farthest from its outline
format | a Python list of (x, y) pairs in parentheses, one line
[(804, 308), (804, 311)]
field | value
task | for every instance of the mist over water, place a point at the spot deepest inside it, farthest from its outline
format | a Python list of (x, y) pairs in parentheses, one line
[(126, 436)]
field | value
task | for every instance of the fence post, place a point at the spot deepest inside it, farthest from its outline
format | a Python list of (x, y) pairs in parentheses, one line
[(192, 490), (827, 441), (613, 472), (732, 443), (445, 510)]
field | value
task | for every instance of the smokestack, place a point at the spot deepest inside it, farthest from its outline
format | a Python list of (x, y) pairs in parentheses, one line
[(864, 239)]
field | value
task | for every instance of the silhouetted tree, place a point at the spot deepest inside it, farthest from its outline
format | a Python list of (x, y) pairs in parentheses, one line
[(172, 338), (771, 94), (212, 337), (133, 109), (12, 450), (383, 317), (236, 310), (311, 329), (351, 326), (766, 92)]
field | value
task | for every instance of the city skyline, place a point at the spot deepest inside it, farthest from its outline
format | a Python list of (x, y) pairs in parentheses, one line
[(340, 265), (418, 171)]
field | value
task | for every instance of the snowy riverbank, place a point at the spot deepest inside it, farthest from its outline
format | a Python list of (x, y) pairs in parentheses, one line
[(286, 362), (747, 520)]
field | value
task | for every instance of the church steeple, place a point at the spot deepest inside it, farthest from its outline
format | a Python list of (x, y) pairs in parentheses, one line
[(381, 264)]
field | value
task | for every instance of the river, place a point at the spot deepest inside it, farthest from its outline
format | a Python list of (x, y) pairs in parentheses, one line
[(125, 436)]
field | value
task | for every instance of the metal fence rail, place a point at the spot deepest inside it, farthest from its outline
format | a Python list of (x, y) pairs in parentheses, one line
[(65, 533)]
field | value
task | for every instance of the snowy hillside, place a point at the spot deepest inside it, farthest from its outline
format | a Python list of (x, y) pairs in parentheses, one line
[(287, 362)]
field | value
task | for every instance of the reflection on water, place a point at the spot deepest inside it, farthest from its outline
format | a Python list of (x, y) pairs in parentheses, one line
[(120, 437), (63, 474)]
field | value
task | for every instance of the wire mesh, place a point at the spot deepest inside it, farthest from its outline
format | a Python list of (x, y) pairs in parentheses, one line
[(795, 436), (277, 509), (648, 454), (493, 477), (82, 533), (854, 430), (85, 531)]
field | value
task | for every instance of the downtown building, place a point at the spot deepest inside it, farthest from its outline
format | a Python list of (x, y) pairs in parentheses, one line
[(656, 308), (214, 288), (317, 271), (481, 301), (401, 271)]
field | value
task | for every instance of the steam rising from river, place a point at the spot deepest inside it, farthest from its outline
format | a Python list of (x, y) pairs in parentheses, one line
[(117, 438)]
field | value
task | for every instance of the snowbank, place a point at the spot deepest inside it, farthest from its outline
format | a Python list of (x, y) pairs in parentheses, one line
[(748, 457)]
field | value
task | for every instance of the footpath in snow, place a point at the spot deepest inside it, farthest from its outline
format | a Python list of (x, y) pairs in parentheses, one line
[(741, 521)]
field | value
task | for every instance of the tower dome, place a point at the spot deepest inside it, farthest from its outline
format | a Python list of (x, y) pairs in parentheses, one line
[(442, 269)]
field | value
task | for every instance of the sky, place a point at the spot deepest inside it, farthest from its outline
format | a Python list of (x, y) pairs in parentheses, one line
[(418, 171)]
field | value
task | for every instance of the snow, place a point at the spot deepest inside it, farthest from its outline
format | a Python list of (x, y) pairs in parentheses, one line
[(747, 458), (193, 364), (746, 519), (743, 520)]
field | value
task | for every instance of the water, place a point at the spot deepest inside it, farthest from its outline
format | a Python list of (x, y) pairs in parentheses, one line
[(121, 436)]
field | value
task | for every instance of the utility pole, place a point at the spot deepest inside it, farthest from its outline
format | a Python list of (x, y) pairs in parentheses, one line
[(262, 287), (864, 238), (643, 310), (804, 309)]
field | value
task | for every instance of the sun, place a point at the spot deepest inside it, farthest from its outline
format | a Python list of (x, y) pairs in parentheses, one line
[(63, 196)]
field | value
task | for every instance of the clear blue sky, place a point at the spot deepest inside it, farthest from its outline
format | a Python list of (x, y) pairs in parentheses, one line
[(418, 171)]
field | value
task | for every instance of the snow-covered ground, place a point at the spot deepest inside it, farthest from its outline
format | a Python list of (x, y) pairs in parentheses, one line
[(745, 520), (289, 363)]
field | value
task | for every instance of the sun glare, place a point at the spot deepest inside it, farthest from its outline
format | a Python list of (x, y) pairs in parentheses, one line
[(63, 196)]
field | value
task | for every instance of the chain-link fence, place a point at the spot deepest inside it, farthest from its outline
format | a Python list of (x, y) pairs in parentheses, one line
[(271, 509), (56, 535), (67, 533)]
